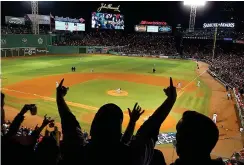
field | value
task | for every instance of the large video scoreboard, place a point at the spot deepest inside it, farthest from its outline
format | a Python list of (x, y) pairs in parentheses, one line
[(69, 26), (107, 21)]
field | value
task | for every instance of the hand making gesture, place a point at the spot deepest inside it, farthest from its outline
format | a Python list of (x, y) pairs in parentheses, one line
[(135, 113), (47, 120), (62, 90), (171, 91)]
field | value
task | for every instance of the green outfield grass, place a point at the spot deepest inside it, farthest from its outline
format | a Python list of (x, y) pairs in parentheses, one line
[(93, 92)]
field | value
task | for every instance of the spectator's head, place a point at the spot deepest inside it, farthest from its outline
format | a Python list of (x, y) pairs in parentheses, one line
[(196, 136), (47, 151), (107, 124), (158, 158)]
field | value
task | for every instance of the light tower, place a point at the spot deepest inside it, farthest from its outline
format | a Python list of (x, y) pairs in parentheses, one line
[(194, 4), (35, 23)]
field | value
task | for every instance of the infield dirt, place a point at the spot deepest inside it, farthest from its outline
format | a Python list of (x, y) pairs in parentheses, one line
[(44, 87)]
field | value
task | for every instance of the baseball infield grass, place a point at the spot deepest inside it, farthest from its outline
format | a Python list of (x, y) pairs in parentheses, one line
[(94, 92)]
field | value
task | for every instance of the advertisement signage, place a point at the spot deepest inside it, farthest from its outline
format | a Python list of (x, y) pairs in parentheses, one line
[(221, 25), (165, 29), (153, 29), (140, 28), (14, 20), (42, 19), (153, 23), (67, 19), (238, 41), (69, 26), (107, 21), (109, 6)]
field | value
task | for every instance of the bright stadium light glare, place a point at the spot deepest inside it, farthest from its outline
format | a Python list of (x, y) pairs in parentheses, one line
[(194, 3)]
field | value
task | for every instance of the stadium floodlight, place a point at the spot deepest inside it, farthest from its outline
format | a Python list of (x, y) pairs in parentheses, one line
[(194, 4), (35, 24)]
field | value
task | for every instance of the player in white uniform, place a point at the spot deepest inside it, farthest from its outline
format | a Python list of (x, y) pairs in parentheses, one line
[(179, 85), (215, 118), (57, 84), (198, 83), (119, 90), (229, 96), (92, 70)]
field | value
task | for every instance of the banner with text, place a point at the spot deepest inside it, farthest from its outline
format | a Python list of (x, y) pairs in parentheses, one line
[(140, 28), (153, 29), (14, 20), (220, 25), (42, 19), (67, 19)]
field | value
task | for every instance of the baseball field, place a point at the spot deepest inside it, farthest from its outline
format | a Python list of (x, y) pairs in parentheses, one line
[(33, 80)]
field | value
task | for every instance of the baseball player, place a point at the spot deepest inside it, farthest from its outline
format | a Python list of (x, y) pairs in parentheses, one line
[(229, 96), (215, 118), (154, 69), (57, 84), (119, 90), (92, 70), (179, 85), (198, 83)]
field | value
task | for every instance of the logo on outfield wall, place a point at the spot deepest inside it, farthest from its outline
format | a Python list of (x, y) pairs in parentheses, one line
[(3, 41), (24, 40), (40, 41)]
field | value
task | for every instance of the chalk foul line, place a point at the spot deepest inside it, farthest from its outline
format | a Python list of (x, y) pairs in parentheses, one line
[(54, 100)]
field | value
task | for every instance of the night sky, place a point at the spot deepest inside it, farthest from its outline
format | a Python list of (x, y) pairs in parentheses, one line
[(172, 12)]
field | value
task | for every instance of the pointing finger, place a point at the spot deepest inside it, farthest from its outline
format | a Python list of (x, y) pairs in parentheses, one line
[(171, 82), (61, 83)]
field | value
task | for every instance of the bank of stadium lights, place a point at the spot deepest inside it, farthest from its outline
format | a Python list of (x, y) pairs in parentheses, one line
[(193, 4)]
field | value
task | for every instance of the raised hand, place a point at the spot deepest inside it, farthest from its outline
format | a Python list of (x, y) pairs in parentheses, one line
[(62, 90), (26, 108), (47, 120), (171, 91), (135, 113)]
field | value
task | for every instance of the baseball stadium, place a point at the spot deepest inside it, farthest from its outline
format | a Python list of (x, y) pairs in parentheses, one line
[(101, 64)]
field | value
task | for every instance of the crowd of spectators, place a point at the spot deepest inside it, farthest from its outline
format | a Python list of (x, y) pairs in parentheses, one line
[(226, 64), (148, 44), (229, 68), (94, 39), (134, 43), (107, 145), (209, 33)]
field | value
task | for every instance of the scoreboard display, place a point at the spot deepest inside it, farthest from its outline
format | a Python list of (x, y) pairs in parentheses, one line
[(140, 28), (69, 26), (153, 29)]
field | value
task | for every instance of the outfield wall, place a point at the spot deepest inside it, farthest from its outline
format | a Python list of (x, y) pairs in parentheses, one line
[(29, 44), (25, 40), (77, 49)]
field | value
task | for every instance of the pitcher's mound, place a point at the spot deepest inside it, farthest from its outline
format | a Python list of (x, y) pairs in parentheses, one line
[(116, 93)]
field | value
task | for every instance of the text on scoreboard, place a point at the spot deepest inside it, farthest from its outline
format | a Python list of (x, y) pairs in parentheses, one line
[(69, 26), (153, 29)]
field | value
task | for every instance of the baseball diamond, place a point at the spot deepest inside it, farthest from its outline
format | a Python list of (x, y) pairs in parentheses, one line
[(88, 91)]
